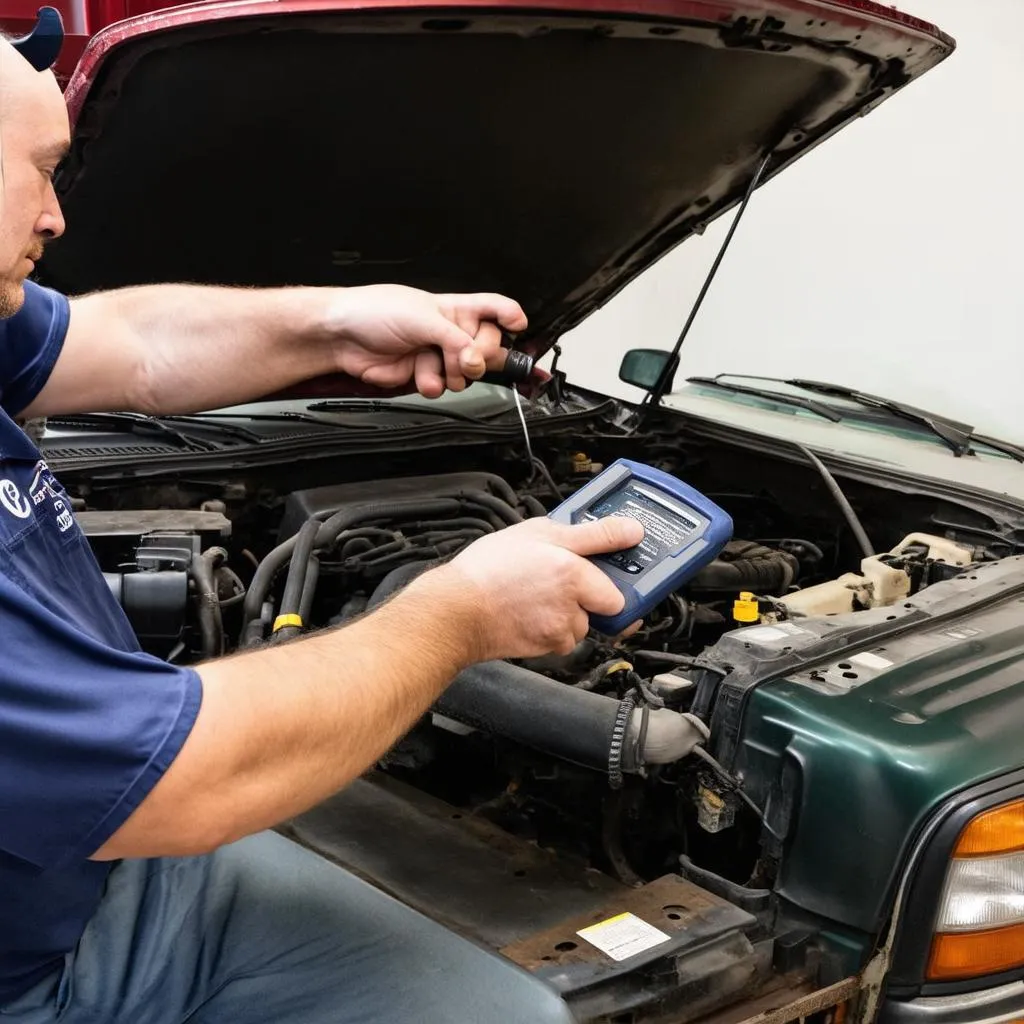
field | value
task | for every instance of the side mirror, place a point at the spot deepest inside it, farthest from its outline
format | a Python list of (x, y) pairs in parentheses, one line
[(644, 367)]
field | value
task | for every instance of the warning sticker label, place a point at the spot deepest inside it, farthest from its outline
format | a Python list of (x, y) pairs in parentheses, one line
[(623, 936)]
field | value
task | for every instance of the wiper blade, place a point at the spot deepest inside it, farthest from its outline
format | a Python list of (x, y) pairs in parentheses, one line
[(773, 396), (1013, 450), (375, 405), (212, 423), (136, 423), (956, 434)]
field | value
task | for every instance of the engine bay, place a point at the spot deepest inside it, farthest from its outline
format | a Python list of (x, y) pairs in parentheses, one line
[(600, 754)]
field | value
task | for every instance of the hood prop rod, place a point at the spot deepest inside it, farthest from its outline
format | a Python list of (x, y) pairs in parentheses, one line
[(653, 398)]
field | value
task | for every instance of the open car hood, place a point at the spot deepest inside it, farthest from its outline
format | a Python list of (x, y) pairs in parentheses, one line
[(551, 156)]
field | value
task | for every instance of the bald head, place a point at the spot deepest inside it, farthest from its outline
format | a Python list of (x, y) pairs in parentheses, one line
[(33, 141)]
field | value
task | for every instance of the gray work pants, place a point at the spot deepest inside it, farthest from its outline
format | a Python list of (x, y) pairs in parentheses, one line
[(264, 932)]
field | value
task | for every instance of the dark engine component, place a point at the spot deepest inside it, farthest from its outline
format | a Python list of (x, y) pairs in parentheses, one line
[(743, 565), (568, 722), (321, 502), (368, 530), (156, 553)]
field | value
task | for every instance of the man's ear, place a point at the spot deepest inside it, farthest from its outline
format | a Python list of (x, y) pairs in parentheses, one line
[(41, 47)]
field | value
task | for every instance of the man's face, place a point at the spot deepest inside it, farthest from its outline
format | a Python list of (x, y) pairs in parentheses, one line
[(33, 140)]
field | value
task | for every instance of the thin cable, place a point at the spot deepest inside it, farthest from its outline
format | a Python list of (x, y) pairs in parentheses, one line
[(522, 420), (731, 781), (841, 500), (537, 464), (540, 467)]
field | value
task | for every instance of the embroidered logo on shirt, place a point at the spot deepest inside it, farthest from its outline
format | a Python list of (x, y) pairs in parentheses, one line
[(13, 500), (44, 485)]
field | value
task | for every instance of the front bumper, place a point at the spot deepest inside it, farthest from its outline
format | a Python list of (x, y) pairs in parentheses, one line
[(988, 1006)]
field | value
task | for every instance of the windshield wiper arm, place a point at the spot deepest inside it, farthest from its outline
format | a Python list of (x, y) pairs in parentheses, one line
[(375, 405), (136, 423), (956, 434), (211, 422), (773, 396)]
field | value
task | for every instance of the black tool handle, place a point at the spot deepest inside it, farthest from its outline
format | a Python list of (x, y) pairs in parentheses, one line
[(518, 368)]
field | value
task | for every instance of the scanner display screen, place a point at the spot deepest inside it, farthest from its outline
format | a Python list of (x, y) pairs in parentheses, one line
[(666, 526)]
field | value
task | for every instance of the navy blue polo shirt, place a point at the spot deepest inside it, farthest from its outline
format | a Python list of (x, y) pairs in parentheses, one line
[(88, 723)]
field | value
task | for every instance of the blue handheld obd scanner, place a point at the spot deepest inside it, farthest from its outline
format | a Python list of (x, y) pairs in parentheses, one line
[(683, 532)]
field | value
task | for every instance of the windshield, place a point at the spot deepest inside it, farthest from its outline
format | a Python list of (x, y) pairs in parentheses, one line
[(850, 411)]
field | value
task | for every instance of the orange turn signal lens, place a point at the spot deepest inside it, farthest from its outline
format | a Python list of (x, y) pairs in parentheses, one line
[(997, 831), (968, 954)]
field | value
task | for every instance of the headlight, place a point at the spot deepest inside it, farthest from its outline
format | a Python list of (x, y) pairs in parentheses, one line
[(981, 918)]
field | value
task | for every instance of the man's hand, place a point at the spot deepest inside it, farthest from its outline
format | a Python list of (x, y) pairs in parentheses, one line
[(283, 727), (388, 334), (531, 589)]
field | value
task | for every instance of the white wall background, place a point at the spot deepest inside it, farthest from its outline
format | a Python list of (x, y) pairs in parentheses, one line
[(898, 243)]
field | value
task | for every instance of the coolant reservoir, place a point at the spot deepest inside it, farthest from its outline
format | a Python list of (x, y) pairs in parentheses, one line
[(877, 585)]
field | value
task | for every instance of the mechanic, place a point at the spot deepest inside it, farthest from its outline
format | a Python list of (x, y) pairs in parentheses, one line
[(138, 882)]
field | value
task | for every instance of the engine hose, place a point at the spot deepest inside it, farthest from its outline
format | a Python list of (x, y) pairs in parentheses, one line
[(563, 721), (566, 722), (309, 588), (851, 517), (459, 523), (415, 554), (743, 565), (533, 505), (272, 563), (500, 508), (501, 487), (211, 627), (383, 510), (295, 585), (355, 547)]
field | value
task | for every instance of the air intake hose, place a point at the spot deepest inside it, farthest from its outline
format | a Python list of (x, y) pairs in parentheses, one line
[(575, 725)]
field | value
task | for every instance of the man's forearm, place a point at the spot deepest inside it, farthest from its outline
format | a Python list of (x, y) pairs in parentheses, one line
[(282, 728), (189, 348)]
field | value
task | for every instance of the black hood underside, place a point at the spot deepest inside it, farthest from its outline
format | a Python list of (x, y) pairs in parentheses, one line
[(551, 160)]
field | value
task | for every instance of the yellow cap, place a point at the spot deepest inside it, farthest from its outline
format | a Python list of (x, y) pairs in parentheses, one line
[(745, 608)]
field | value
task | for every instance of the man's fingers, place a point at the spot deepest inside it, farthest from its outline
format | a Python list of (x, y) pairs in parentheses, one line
[(490, 306), (613, 533), (389, 375), (597, 593), (428, 373), (452, 340), (484, 353)]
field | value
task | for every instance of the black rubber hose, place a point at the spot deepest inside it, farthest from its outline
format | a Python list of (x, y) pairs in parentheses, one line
[(309, 589), (744, 565), (502, 488), (852, 519), (501, 508), (298, 569), (533, 505), (529, 708), (417, 554), (459, 523), (211, 627), (521, 705), (275, 559), (383, 510)]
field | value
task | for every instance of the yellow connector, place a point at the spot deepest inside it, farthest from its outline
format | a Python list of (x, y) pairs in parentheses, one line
[(745, 608)]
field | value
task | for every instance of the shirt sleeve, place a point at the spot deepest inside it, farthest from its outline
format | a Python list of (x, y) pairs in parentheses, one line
[(86, 731), (30, 342)]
